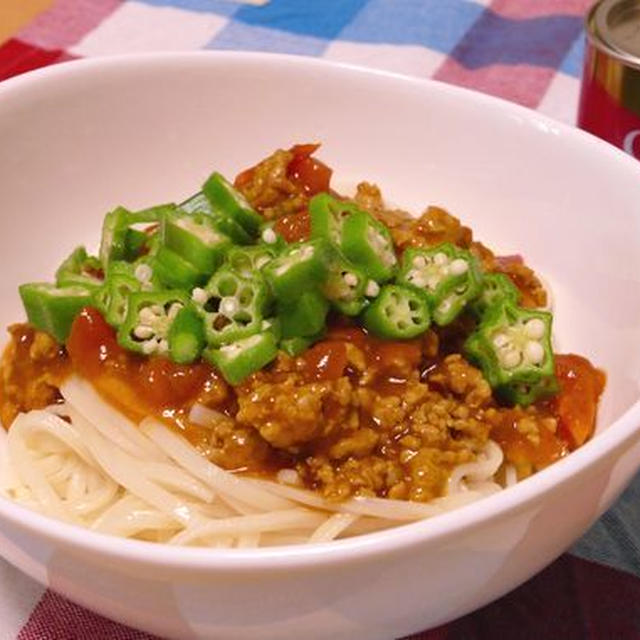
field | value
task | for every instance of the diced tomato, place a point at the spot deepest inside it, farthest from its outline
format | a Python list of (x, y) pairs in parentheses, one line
[(575, 406), (311, 174), (326, 360), (243, 178), (91, 343), (295, 227)]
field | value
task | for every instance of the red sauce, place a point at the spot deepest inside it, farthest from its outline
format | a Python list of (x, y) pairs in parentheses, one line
[(576, 405), (522, 450), (138, 386), (326, 360)]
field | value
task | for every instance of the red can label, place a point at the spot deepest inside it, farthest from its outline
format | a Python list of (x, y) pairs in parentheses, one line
[(601, 114)]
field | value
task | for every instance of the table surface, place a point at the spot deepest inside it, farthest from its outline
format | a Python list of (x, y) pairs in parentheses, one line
[(527, 51)]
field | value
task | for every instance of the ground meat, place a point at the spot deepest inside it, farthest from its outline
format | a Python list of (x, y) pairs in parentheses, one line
[(533, 293), (291, 413), (270, 190), (370, 476), (235, 447), (456, 375), (33, 366), (433, 227)]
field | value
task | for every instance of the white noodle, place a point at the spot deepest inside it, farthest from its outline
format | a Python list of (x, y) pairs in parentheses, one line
[(220, 480), (97, 469), (510, 475), (332, 527), (110, 423), (487, 463), (206, 417)]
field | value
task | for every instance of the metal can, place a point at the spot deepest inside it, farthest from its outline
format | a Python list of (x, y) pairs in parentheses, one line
[(610, 94)]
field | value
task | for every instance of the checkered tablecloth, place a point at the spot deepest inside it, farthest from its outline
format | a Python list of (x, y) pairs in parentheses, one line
[(528, 51)]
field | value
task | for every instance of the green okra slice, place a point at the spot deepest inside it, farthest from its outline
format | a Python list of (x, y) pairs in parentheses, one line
[(248, 261), (512, 346), (398, 313), (196, 203), (239, 359), (272, 325), (368, 244), (195, 239), (229, 201), (328, 215), (120, 239), (304, 317), (79, 268), (143, 270), (449, 278), (232, 307), (52, 309), (112, 298), (186, 336), (295, 346), (224, 223), (174, 272), (497, 288), (299, 267), (149, 318), (346, 285)]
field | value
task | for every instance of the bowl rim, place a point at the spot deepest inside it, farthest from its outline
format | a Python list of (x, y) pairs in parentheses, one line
[(615, 436)]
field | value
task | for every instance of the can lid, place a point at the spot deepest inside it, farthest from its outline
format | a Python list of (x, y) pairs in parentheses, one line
[(617, 25)]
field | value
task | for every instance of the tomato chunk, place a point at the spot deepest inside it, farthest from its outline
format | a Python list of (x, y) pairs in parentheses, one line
[(295, 227), (311, 174), (575, 406)]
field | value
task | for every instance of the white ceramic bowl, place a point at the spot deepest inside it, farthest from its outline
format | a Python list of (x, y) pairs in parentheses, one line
[(78, 138)]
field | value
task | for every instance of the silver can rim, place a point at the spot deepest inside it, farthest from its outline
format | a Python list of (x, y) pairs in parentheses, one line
[(595, 39)]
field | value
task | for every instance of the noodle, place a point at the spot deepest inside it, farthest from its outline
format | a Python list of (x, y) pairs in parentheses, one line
[(85, 463)]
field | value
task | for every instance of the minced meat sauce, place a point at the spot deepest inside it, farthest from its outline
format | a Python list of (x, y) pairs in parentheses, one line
[(353, 414)]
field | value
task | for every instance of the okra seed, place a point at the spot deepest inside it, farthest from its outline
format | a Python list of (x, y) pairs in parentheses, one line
[(534, 352), (373, 289), (269, 236), (157, 309), (440, 259), (500, 340), (228, 306), (163, 346), (534, 328), (350, 279), (143, 332), (143, 273), (419, 262), (433, 282), (174, 310), (149, 347), (147, 316), (510, 359), (199, 295), (458, 267)]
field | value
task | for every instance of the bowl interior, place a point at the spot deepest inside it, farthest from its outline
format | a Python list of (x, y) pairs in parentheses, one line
[(91, 136)]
